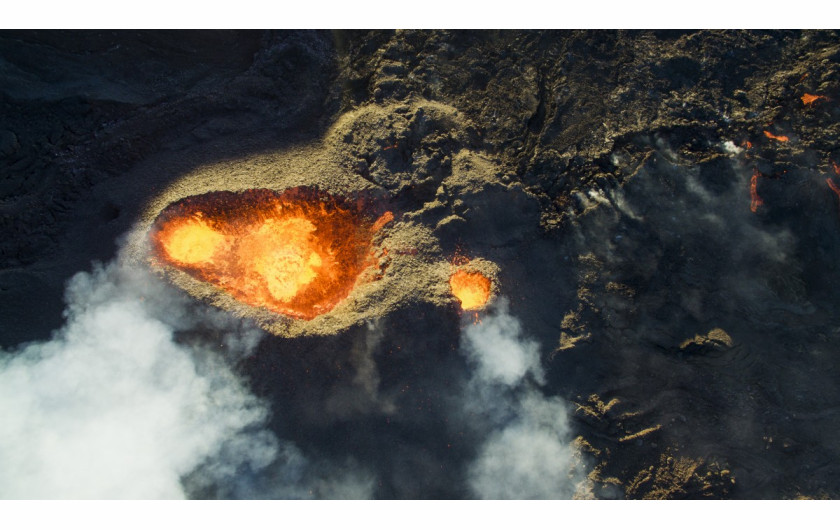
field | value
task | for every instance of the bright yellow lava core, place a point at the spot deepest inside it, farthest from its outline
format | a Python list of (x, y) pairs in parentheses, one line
[(193, 242), (471, 288), (291, 264)]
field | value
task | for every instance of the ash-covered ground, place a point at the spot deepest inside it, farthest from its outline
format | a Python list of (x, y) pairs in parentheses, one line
[(659, 212)]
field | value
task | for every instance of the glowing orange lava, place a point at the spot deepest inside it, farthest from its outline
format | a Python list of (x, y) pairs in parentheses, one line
[(383, 220), (772, 136), (471, 288), (755, 200), (810, 99), (298, 253), (833, 187)]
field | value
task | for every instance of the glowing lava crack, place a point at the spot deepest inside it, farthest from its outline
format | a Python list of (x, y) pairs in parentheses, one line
[(298, 253)]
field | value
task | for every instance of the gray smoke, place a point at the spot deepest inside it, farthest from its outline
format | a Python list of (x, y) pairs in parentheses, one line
[(135, 398), (526, 453)]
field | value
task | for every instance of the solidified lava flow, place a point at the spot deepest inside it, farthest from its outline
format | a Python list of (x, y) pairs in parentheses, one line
[(298, 253), (472, 289)]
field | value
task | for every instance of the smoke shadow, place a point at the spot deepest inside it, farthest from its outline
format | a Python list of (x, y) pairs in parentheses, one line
[(386, 394)]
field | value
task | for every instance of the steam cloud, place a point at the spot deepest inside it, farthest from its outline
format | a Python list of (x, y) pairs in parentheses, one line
[(134, 398), (526, 454)]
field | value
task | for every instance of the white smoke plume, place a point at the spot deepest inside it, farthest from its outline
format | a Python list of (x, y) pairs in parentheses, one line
[(133, 399), (527, 452), (499, 351)]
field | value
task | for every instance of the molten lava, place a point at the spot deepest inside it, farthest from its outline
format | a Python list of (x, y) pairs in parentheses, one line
[(192, 242), (833, 187), (755, 200), (471, 288), (772, 136), (298, 253), (386, 218), (810, 99)]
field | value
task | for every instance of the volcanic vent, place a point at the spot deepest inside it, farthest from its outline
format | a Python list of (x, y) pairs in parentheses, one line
[(472, 289), (298, 252)]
